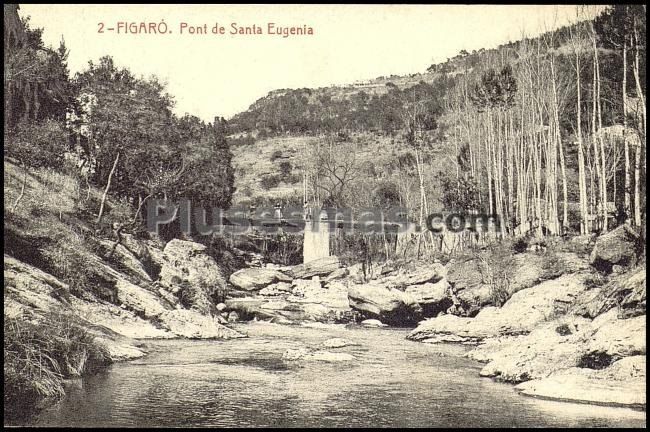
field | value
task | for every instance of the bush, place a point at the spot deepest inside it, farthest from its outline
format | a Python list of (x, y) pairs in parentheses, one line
[(499, 292), (38, 356), (285, 168), (553, 264), (496, 268), (37, 145), (241, 141), (270, 181), (284, 249), (595, 280), (292, 179), (563, 329), (520, 245), (595, 360), (386, 195)]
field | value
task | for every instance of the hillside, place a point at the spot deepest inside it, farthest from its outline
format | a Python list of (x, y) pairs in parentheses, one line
[(262, 176), (73, 294), (492, 130), (324, 108)]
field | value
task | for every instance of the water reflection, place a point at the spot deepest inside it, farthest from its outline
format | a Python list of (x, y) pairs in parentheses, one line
[(392, 382)]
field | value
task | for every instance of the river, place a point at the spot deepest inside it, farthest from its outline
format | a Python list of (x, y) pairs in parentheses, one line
[(245, 382)]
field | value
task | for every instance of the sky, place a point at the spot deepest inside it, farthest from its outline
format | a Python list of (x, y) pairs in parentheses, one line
[(223, 74)]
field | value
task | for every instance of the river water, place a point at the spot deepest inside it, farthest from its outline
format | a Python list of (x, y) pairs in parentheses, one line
[(245, 382)]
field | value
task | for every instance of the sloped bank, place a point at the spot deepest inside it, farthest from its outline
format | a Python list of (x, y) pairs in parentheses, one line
[(575, 338), (75, 333)]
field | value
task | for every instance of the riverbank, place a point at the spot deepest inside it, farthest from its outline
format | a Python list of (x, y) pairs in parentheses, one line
[(567, 339), (537, 309), (76, 293)]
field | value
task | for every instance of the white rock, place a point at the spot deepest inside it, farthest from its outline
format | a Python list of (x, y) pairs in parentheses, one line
[(337, 343), (373, 323)]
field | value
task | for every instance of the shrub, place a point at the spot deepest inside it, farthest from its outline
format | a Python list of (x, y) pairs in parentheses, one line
[(241, 141), (386, 195), (563, 329), (38, 356), (595, 360), (496, 268), (520, 245), (270, 181), (246, 191), (292, 179), (499, 292), (552, 264), (595, 280), (39, 145), (285, 249), (285, 168)]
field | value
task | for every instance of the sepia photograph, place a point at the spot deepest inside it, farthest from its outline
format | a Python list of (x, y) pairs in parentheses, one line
[(324, 216)]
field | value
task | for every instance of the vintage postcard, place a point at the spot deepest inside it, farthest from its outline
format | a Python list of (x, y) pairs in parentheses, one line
[(333, 216)]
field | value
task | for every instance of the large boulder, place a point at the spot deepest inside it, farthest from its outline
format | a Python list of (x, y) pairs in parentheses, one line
[(559, 344), (126, 260), (337, 343), (390, 305), (422, 274), (464, 274), (135, 312), (519, 315), (621, 384), (318, 267), (307, 354), (337, 274), (276, 289), (470, 278), (191, 274), (552, 346), (626, 291), (617, 247), (253, 279), (193, 325), (373, 323), (618, 338), (430, 274), (432, 297), (143, 303)]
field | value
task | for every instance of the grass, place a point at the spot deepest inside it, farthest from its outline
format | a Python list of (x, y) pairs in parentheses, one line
[(38, 356), (53, 227)]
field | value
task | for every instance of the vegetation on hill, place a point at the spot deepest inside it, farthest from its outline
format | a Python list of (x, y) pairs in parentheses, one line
[(547, 132), (306, 111), (82, 156), (112, 128)]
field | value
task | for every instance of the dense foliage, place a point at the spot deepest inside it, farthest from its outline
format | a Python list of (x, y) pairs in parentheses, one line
[(309, 111)]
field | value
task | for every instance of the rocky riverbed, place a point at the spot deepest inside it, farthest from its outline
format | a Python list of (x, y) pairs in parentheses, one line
[(567, 317)]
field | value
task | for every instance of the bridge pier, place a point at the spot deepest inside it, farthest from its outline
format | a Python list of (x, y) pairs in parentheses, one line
[(316, 240)]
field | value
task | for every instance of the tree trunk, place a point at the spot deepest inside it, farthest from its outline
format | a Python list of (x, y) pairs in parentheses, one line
[(22, 189), (642, 130), (584, 225), (108, 185), (628, 187), (603, 179)]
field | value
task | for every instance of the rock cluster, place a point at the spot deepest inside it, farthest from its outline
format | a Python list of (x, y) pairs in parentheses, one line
[(563, 338)]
